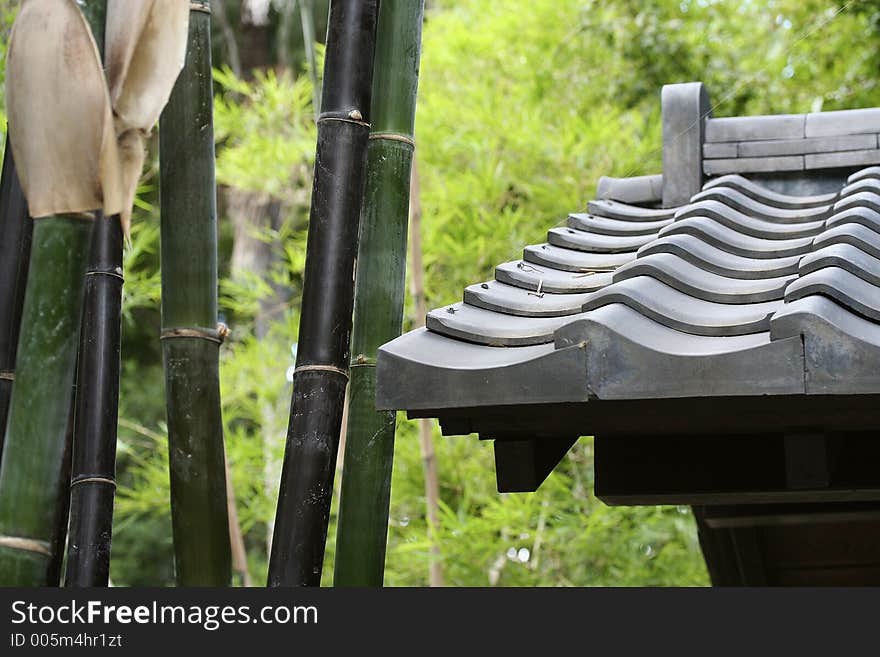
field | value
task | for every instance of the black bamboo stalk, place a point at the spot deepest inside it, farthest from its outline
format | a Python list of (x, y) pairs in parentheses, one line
[(93, 474), (190, 335), (16, 230), (379, 294), (321, 374), (95, 12), (93, 470)]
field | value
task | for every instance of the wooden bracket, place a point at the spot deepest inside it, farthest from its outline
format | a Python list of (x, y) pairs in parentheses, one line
[(522, 465)]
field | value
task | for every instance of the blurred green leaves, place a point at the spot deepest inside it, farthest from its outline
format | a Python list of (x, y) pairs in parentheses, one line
[(265, 131)]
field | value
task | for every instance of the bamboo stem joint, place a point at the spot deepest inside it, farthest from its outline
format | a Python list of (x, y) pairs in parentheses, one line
[(114, 273), (218, 335), (321, 368), (352, 116), (363, 361), (393, 136), (93, 480)]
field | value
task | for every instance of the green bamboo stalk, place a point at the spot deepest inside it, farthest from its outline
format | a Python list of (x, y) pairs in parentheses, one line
[(190, 335), (379, 295), (32, 496)]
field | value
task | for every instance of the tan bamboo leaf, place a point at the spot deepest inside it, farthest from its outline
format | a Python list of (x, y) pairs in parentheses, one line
[(131, 164), (145, 51), (60, 118)]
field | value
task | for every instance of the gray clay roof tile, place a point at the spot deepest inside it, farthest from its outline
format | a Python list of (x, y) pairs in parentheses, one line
[(626, 212), (605, 226), (869, 172), (580, 240), (732, 241), (749, 225), (735, 199), (743, 291), (768, 196), (529, 277), (716, 260)]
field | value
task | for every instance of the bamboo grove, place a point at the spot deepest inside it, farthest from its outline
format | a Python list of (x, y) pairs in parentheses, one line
[(65, 212)]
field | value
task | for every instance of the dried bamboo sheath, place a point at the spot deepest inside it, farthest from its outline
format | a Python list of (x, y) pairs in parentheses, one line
[(379, 296), (189, 302), (325, 323)]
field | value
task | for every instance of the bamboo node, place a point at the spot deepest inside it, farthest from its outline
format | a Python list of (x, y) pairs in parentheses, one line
[(93, 480), (215, 336), (200, 5), (116, 272), (321, 368), (26, 545), (352, 116), (393, 136), (7, 375)]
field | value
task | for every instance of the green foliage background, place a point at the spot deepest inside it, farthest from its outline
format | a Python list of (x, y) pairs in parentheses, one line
[(523, 105)]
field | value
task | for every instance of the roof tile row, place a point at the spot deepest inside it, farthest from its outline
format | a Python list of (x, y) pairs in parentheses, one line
[(743, 291)]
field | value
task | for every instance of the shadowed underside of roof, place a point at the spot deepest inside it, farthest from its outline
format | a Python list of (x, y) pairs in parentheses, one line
[(743, 291)]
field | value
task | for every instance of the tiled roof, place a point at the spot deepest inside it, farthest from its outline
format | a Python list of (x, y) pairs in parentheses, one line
[(723, 353), (743, 291)]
